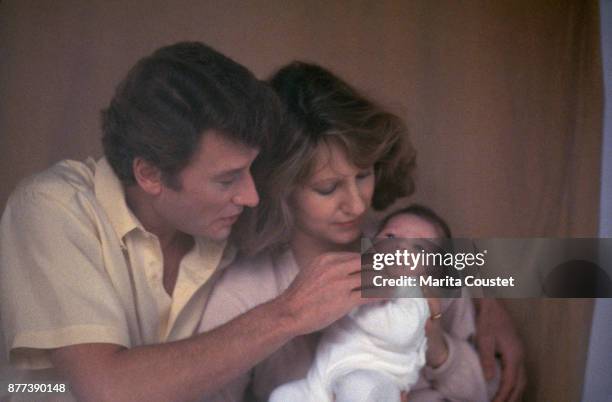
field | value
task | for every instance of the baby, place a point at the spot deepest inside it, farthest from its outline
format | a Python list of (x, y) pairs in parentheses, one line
[(376, 352)]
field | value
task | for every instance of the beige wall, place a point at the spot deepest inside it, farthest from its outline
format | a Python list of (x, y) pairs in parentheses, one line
[(503, 99)]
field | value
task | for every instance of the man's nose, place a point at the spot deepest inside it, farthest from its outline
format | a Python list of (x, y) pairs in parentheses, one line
[(247, 194)]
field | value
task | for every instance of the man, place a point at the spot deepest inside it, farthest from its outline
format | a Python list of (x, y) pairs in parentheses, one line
[(105, 266)]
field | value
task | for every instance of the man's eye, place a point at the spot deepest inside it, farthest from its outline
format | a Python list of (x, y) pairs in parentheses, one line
[(390, 236), (227, 182)]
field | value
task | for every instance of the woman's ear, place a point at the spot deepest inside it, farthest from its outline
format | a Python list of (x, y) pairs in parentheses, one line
[(148, 177)]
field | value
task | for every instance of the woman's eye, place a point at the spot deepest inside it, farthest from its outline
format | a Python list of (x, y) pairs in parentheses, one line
[(364, 175), (327, 190), (390, 236)]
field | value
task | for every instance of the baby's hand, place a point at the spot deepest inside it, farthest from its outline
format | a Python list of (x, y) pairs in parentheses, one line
[(437, 350)]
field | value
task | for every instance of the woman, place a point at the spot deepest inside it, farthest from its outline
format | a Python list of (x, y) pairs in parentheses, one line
[(339, 156)]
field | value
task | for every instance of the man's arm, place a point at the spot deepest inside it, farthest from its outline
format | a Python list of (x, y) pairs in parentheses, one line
[(182, 370), (188, 369)]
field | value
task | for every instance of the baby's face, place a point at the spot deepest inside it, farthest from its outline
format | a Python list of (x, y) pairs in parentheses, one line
[(408, 226)]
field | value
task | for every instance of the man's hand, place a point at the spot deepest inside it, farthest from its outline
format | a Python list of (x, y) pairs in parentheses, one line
[(325, 291), (495, 333)]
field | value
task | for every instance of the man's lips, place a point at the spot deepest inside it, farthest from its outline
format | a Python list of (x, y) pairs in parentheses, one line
[(230, 219)]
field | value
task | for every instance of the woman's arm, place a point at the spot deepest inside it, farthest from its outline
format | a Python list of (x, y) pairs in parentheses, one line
[(453, 367), (496, 333)]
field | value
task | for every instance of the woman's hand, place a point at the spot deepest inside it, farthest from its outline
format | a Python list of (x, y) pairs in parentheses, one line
[(496, 333), (437, 350)]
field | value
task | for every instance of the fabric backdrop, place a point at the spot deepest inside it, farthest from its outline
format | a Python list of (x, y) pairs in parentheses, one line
[(503, 99)]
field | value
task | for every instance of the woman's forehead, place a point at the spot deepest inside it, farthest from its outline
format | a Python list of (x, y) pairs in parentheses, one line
[(331, 161)]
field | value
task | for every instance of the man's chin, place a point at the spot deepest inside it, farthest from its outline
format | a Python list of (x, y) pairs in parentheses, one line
[(220, 234)]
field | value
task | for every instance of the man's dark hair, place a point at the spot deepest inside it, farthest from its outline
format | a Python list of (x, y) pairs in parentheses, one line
[(169, 99)]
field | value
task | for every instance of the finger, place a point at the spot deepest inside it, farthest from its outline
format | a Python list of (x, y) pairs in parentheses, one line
[(369, 268), (341, 257), (507, 384), (353, 282), (342, 260), (486, 352), (355, 268), (361, 270), (434, 305), (517, 392), (366, 300), (372, 291)]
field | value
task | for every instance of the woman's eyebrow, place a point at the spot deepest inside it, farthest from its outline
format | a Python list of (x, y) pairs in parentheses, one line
[(337, 177), (328, 180)]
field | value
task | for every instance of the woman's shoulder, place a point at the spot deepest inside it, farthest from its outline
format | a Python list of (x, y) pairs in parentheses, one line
[(260, 276), (244, 265), (248, 271), (279, 264), (244, 284)]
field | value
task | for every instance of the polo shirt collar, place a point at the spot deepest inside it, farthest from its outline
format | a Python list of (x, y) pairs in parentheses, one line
[(111, 195)]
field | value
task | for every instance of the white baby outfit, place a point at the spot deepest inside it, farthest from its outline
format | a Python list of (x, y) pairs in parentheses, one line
[(372, 354)]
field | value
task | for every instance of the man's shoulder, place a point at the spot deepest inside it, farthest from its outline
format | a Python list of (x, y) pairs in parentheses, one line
[(62, 183)]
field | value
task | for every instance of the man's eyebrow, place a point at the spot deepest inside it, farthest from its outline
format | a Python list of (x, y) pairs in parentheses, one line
[(229, 172)]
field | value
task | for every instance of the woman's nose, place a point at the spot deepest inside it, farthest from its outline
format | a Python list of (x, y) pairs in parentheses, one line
[(355, 202)]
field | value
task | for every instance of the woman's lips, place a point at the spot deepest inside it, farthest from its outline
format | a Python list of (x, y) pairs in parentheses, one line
[(348, 224)]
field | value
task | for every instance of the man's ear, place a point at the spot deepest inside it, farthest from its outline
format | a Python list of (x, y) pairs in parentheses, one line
[(148, 177)]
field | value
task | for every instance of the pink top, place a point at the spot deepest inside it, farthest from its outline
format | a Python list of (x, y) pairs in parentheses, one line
[(248, 283)]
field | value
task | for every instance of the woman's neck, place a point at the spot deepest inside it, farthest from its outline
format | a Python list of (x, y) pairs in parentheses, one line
[(306, 248)]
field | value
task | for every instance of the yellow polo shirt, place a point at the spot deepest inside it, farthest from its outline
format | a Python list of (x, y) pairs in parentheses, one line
[(76, 266)]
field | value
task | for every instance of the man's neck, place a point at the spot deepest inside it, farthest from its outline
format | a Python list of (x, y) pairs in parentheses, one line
[(174, 244), (140, 204)]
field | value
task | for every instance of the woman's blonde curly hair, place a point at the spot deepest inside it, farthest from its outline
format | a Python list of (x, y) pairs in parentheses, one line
[(319, 109)]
